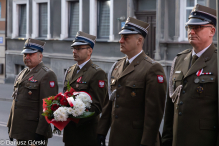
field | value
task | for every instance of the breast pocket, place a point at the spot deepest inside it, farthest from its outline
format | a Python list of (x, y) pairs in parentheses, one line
[(206, 86), (177, 79), (135, 88), (32, 89)]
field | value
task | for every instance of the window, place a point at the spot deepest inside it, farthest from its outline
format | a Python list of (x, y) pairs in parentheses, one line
[(186, 7), (71, 18), (146, 5), (73, 26), (22, 20), (43, 20), (103, 19)]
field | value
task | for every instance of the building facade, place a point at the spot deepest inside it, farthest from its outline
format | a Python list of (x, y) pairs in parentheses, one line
[(2, 39), (57, 21)]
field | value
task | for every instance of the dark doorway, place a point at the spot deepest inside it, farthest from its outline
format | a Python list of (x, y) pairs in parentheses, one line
[(149, 44)]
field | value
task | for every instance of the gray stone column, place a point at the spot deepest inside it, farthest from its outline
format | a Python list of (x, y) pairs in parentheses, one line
[(130, 8), (158, 30)]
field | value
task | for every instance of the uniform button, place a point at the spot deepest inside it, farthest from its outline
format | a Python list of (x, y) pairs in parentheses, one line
[(15, 107), (184, 92), (16, 100), (119, 85), (117, 106), (174, 79), (17, 93), (116, 117), (185, 82), (203, 80), (134, 85), (117, 95), (180, 103), (180, 113), (212, 79)]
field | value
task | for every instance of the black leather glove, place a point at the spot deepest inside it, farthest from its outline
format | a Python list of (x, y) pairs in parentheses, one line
[(11, 139), (39, 138), (56, 131), (101, 140)]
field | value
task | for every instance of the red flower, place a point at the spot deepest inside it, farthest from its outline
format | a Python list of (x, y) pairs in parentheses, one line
[(72, 90), (64, 101), (59, 96), (54, 107), (68, 94)]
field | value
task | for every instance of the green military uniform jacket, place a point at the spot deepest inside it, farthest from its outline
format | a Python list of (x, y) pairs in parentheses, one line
[(25, 117), (194, 120), (94, 82), (136, 113)]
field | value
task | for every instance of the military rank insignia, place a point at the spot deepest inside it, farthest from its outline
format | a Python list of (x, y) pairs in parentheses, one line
[(29, 92), (133, 94), (200, 89), (160, 78), (101, 83), (200, 72)]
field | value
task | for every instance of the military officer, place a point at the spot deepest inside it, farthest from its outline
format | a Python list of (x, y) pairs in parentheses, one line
[(85, 76), (31, 85), (137, 94), (191, 115)]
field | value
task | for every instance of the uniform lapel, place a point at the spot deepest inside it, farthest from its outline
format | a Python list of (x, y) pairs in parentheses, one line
[(185, 66), (31, 73), (131, 67), (19, 79), (201, 61), (82, 71)]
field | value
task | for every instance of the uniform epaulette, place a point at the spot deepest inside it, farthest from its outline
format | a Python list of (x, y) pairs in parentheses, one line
[(121, 58), (70, 68), (46, 68), (95, 66), (184, 52), (215, 50), (148, 59)]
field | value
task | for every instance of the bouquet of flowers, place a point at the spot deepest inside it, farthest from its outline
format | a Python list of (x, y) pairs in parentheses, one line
[(63, 108)]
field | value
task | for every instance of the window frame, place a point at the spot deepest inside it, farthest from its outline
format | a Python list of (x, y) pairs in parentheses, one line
[(19, 25), (183, 19), (93, 19), (65, 18), (15, 24), (35, 19)]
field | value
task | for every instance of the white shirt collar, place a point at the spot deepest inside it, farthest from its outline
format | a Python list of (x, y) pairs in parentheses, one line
[(201, 52), (133, 58), (82, 65)]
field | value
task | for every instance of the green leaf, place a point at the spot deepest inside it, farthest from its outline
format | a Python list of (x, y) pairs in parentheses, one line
[(85, 115), (68, 86)]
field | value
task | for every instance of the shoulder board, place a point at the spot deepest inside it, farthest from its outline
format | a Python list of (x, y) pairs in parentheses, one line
[(70, 68), (215, 50), (95, 66), (184, 52), (121, 58), (150, 60), (46, 68)]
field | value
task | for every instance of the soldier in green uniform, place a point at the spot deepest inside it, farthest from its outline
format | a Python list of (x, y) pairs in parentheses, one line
[(191, 115), (137, 93), (85, 76), (31, 85)]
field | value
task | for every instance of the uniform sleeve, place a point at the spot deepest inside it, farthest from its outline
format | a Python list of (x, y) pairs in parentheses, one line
[(155, 94), (105, 120), (167, 136), (98, 92), (45, 91)]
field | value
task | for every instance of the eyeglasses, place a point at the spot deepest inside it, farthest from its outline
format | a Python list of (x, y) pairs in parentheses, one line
[(196, 28), (78, 49)]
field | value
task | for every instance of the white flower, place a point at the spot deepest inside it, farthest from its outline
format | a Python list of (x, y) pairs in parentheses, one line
[(61, 114), (85, 98), (78, 108)]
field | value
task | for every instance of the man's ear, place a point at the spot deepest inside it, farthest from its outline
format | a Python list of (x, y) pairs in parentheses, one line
[(212, 31), (90, 50)]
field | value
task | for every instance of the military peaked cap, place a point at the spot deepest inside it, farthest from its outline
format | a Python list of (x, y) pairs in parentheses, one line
[(33, 46)]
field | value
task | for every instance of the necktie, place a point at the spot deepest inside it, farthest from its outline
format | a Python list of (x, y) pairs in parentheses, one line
[(75, 71), (126, 64), (194, 58)]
